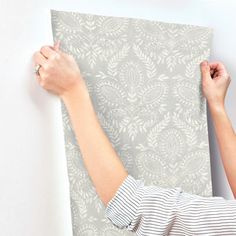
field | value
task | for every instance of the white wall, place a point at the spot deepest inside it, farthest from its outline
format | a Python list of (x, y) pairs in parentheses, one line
[(34, 191), (34, 197)]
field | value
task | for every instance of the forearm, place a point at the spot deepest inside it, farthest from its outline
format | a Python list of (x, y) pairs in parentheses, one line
[(226, 139), (102, 162)]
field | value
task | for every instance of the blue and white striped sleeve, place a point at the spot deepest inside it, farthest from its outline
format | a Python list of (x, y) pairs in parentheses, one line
[(152, 210)]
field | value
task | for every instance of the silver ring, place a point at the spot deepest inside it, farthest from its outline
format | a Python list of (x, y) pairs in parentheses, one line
[(36, 69)]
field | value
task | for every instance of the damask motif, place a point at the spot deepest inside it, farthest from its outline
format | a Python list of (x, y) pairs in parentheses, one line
[(171, 44), (89, 40), (144, 80), (110, 230), (88, 230)]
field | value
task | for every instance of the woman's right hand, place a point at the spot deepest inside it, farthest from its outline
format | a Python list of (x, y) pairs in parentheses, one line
[(215, 82)]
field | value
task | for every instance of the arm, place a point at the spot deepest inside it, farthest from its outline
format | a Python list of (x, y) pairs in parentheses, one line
[(215, 82), (103, 165), (226, 139), (60, 75)]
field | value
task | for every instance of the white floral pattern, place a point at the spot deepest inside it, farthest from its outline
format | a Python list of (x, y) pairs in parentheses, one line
[(144, 81)]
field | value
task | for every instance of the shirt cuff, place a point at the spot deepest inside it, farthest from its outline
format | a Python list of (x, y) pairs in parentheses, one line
[(121, 208)]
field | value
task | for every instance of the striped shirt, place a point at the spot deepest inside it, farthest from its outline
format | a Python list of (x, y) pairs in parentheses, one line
[(152, 210)]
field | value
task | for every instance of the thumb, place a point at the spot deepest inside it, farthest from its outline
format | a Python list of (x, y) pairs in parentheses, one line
[(57, 45), (205, 70)]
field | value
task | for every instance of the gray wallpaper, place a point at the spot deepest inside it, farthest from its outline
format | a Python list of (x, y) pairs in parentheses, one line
[(144, 81)]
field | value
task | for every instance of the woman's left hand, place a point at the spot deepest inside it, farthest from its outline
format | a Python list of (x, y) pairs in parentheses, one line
[(59, 72)]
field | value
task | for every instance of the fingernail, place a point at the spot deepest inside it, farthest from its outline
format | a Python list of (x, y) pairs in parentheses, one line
[(204, 63)]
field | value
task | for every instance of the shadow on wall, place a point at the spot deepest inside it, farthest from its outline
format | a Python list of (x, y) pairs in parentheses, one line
[(39, 96)]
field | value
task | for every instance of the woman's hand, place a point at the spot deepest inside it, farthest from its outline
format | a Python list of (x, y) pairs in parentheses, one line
[(215, 82), (59, 72)]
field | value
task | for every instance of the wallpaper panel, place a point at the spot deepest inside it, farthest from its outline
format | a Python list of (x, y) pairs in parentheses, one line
[(144, 80)]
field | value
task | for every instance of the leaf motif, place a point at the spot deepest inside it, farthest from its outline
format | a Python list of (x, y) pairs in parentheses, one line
[(110, 93), (194, 63), (195, 161), (69, 21), (92, 54), (114, 27), (155, 131), (101, 75), (196, 34), (154, 93), (116, 59), (187, 129), (187, 93), (150, 66)]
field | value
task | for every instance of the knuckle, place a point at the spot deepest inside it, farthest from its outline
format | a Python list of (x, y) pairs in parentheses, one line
[(46, 67), (218, 62), (44, 76), (57, 56), (45, 46), (52, 57), (35, 55), (203, 63), (42, 48), (50, 66)]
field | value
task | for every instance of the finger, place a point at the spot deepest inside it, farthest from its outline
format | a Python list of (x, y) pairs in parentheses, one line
[(39, 59), (48, 51), (57, 46), (41, 81), (38, 78), (216, 74), (218, 68), (216, 64), (212, 71), (205, 70)]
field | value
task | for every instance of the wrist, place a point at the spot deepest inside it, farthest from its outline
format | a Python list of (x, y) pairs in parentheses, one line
[(76, 92), (216, 108)]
